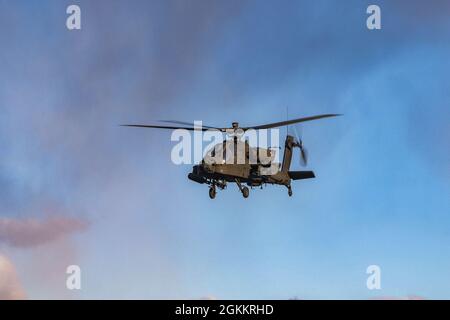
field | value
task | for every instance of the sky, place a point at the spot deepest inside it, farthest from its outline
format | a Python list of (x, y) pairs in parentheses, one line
[(78, 189)]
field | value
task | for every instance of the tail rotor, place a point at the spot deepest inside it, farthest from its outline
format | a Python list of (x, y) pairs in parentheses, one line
[(303, 150)]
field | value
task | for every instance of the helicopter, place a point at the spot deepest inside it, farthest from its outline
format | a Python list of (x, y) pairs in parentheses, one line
[(217, 174)]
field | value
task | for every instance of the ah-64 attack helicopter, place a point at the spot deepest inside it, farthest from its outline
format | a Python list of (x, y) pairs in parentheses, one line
[(257, 173)]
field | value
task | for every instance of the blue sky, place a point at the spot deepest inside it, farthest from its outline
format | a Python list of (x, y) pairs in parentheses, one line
[(381, 195)]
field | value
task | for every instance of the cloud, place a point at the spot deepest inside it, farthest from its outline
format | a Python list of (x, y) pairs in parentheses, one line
[(30, 232), (10, 287)]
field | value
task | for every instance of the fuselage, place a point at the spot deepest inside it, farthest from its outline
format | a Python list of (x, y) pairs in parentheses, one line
[(245, 173)]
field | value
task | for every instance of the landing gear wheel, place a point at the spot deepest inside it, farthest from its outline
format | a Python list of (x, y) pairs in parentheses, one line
[(290, 192), (245, 192), (212, 192)]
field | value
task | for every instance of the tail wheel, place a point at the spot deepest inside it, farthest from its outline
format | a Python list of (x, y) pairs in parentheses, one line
[(245, 192), (212, 192), (290, 192)]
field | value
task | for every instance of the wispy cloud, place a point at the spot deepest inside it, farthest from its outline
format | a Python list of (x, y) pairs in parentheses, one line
[(30, 232), (10, 287)]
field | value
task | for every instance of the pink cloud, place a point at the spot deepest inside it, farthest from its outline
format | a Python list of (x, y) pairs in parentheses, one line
[(30, 232), (10, 287)]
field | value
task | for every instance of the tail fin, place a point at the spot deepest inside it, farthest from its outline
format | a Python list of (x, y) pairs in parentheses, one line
[(287, 157)]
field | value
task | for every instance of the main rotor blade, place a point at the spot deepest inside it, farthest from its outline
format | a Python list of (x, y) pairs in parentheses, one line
[(186, 123), (164, 127), (288, 122)]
